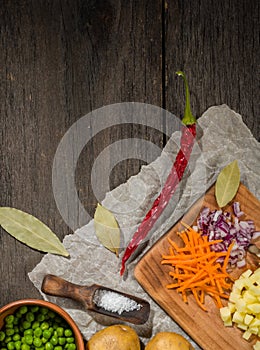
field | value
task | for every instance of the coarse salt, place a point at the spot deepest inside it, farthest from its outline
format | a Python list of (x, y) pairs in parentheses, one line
[(114, 302)]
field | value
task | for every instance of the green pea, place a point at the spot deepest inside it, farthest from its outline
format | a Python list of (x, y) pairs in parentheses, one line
[(35, 308), (26, 324), (25, 347), (70, 340), (68, 332), (28, 332), (54, 340), (40, 317), (2, 335), (16, 329), (9, 325), (71, 347), (9, 319), (35, 324), (46, 334), (16, 337), (18, 314), (58, 319), (44, 310), (58, 347), (55, 334), (37, 332), (51, 314), (60, 331), (48, 346), (23, 309), (8, 339), (28, 339), (44, 340), (29, 317), (17, 344), (62, 341), (16, 320), (45, 325), (10, 346), (9, 331), (37, 342)]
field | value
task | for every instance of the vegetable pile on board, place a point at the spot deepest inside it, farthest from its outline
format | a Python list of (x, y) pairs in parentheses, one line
[(220, 225), (244, 304), (217, 243), (196, 268)]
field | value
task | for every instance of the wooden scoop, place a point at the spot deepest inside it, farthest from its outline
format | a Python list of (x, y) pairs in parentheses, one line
[(86, 295)]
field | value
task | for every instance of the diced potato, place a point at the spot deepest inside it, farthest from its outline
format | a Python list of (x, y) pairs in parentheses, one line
[(253, 330), (243, 327), (247, 273), (248, 283), (248, 319), (232, 307), (256, 277), (255, 290), (225, 314), (234, 297), (255, 323), (247, 334), (243, 307), (255, 308), (239, 285), (238, 317), (249, 297), (257, 345)]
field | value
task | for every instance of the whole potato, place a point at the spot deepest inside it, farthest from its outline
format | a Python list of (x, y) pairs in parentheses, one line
[(114, 338), (168, 341)]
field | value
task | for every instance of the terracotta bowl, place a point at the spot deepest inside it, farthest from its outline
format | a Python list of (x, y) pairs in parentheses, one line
[(10, 309)]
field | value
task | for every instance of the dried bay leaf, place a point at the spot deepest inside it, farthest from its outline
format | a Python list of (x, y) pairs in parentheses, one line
[(227, 184), (30, 231), (107, 229)]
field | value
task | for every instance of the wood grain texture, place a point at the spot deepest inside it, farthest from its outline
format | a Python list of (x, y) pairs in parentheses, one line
[(206, 328), (217, 45), (59, 60)]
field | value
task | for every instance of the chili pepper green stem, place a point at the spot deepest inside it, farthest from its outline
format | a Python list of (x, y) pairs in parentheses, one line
[(188, 118)]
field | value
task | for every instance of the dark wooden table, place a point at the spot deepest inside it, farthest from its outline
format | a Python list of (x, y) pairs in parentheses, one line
[(59, 60)]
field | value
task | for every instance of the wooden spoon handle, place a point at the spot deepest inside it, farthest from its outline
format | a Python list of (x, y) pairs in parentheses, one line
[(57, 286)]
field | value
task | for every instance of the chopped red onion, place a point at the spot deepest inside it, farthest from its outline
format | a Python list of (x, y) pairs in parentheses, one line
[(256, 235), (217, 224), (237, 211)]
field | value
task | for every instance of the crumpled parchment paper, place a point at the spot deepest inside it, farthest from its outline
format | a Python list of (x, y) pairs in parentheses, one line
[(223, 138)]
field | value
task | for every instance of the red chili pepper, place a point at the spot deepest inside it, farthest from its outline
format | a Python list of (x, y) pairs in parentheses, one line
[(186, 144)]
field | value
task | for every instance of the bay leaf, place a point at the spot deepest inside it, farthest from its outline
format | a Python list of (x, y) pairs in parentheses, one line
[(227, 184), (30, 231), (107, 229)]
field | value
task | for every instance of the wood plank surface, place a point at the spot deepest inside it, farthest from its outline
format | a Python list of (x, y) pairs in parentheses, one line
[(206, 328), (60, 60), (215, 43)]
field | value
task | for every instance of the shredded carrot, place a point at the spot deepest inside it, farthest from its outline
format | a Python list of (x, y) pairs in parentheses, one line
[(197, 270)]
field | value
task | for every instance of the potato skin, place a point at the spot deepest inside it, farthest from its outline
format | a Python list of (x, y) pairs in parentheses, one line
[(113, 338), (168, 341)]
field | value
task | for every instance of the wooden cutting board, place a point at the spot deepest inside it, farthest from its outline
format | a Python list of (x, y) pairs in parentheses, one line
[(206, 328)]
